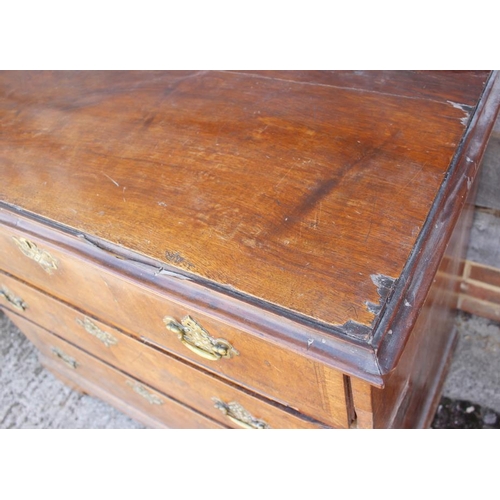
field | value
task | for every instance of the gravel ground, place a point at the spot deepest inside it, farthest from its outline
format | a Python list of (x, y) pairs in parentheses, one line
[(474, 373), (32, 398), (471, 393), (462, 414)]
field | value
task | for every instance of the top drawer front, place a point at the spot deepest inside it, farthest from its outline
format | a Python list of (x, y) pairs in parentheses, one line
[(283, 375)]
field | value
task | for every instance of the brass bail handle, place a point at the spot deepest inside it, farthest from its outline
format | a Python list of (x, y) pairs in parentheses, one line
[(198, 340)]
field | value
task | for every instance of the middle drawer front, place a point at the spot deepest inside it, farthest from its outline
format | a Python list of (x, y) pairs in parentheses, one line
[(187, 384), (140, 309)]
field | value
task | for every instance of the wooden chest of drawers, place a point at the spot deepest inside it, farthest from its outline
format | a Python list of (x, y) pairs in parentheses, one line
[(242, 249)]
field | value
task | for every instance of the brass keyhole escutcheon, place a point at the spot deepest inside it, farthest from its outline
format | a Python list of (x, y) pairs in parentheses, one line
[(239, 415), (16, 302), (151, 398), (71, 362), (90, 327)]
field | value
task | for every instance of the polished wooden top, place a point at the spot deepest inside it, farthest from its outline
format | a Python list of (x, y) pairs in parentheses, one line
[(307, 190)]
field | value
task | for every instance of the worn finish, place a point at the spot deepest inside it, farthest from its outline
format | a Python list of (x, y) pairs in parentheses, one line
[(276, 191), (136, 294), (289, 238), (409, 294), (410, 396), (459, 87)]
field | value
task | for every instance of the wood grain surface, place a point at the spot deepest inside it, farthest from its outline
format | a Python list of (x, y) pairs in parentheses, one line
[(321, 394), (411, 393), (115, 387), (309, 386), (295, 190), (167, 379)]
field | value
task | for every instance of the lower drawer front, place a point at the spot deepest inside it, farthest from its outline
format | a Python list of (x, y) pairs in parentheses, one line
[(168, 375), (126, 393), (141, 309), (189, 385)]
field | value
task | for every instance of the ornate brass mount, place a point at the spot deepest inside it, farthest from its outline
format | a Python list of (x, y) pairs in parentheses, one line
[(196, 338), (71, 362), (237, 414), (90, 327), (42, 257), (142, 391), (14, 300)]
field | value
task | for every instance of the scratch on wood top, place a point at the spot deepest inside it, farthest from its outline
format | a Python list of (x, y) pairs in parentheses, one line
[(112, 180)]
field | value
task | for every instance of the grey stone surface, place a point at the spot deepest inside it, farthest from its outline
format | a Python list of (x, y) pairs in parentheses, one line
[(31, 397), (488, 194), (484, 243), (474, 373)]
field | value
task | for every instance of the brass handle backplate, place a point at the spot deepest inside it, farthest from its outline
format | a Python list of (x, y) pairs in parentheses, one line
[(238, 415), (71, 362), (142, 391), (42, 257), (90, 327), (14, 300), (196, 338)]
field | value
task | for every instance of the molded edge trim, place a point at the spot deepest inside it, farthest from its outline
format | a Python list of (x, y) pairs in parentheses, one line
[(346, 354), (416, 279)]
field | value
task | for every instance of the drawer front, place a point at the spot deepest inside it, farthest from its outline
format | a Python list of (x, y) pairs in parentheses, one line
[(77, 366), (168, 375), (140, 310)]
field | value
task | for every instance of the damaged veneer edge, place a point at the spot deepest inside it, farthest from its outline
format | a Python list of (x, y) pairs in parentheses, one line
[(321, 343), (416, 279)]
